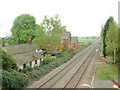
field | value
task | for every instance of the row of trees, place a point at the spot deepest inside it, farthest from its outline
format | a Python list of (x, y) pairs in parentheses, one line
[(109, 37), (48, 32)]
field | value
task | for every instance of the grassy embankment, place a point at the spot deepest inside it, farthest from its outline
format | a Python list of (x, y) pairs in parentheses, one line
[(86, 40), (105, 71)]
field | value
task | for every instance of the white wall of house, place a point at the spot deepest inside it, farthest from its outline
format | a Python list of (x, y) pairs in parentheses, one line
[(20, 66), (32, 63), (41, 59), (38, 62)]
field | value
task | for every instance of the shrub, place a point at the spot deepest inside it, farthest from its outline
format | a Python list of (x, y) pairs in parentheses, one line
[(34, 74), (27, 69), (13, 79), (47, 60), (7, 61), (64, 49)]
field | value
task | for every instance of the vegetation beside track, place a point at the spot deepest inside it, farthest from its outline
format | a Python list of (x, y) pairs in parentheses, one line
[(107, 72), (108, 69), (28, 75)]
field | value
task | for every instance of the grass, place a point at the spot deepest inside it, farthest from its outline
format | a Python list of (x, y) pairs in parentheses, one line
[(85, 40), (105, 70)]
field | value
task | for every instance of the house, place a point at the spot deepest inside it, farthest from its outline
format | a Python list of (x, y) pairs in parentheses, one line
[(66, 40), (25, 54), (74, 42)]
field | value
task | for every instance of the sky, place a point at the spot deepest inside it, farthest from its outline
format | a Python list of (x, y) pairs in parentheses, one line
[(81, 17)]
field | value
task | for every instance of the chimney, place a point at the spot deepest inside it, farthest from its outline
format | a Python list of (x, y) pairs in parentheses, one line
[(29, 40), (3, 43)]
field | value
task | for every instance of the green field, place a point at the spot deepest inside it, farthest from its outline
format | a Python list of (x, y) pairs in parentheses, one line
[(86, 40), (107, 70)]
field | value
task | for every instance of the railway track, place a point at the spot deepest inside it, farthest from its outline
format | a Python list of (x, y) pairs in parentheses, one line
[(80, 72), (69, 74), (87, 80)]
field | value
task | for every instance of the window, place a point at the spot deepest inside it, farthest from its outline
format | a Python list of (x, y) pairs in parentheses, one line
[(35, 61), (30, 63), (24, 65)]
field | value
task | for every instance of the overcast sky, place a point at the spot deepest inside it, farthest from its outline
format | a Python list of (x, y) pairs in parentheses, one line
[(81, 17)]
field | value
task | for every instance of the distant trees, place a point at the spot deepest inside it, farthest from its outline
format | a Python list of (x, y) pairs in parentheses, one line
[(49, 32), (23, 26), (109, 37), (90, 37)]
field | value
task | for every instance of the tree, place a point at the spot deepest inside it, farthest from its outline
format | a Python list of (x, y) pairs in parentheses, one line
[(40, 38), (49, 32), (109, 37), (23, 26), (112, 40), (104, 34), (57, 31)]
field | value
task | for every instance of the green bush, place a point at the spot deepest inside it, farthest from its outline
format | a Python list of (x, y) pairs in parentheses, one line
[(47, 60), (27, 69), (7, 61), (13, 79), (64, 49), (34, 74), (37, 72)]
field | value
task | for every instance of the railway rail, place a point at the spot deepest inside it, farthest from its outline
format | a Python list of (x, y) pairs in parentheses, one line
[(69, 74)]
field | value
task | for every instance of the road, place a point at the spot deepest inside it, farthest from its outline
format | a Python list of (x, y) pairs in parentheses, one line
[(76, 73)]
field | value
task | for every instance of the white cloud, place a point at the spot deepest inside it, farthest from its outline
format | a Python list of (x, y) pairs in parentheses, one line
[(82, 17)]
